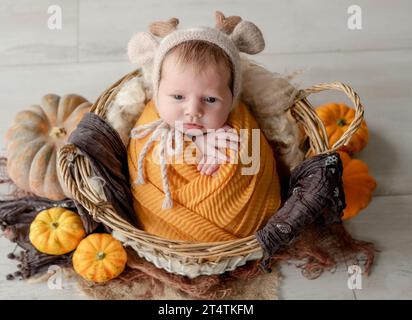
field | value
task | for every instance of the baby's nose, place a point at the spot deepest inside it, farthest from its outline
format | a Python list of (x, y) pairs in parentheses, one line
[(194, 109)]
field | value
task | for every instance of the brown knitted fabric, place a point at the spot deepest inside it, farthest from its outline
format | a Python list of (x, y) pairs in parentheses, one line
[(315, 191), (102, 145)]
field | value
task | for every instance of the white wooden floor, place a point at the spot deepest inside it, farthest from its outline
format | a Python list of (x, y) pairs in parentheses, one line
[(89, 53)]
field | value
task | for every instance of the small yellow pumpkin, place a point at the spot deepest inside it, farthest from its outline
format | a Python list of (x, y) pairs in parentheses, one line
[(99, 258), (56, 231), (34, 139), (337, 117), (357, 184)]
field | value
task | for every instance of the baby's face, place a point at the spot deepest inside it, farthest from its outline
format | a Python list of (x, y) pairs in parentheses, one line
[(200, 100)]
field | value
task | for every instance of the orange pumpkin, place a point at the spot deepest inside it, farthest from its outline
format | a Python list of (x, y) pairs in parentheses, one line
[(33, 141), (56, 231), (357, 184), (99, 258), (337, 117)]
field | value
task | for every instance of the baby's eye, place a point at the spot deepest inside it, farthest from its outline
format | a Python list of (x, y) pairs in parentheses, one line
[(178, 96), (210, 99)]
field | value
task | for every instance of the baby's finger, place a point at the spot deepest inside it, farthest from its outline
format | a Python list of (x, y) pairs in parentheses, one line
[(222, 157), (204, 169), (212, 168), (227, 136), (200, 166), (214, 160), (218, 155), (229, 144)]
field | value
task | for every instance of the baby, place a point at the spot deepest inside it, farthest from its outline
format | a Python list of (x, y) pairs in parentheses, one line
[(196, 81)]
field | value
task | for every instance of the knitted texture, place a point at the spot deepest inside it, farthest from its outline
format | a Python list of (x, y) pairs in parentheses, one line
[(232, 34), (203, 34), (228, 206)]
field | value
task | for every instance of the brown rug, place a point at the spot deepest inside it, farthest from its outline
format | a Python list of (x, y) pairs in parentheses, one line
[(245, 283)]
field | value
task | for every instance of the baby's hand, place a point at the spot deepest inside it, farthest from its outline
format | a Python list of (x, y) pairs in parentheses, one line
[(212, 146), (208, 166)]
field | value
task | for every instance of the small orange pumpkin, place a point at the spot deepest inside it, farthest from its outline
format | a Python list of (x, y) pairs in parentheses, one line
[(337, 117), (357, 184), (33, 141), (99, 257), (56, 231)]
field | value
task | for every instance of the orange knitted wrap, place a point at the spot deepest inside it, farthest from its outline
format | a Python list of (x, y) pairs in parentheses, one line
[(227, 206)]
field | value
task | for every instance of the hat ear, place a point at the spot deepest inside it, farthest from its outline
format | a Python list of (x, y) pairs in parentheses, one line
[(248, 38), (163, 28), (226, 24), (141, 48)]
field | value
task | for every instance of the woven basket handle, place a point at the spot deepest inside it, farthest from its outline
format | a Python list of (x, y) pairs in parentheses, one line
[(305, 114)]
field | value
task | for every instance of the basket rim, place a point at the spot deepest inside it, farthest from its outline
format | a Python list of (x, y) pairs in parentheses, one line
[(75, 169)]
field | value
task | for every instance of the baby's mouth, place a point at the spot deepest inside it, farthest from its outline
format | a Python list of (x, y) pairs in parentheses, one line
[(192, 126)]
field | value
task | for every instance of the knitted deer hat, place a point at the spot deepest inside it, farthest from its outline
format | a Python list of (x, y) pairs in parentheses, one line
[(231, 34)]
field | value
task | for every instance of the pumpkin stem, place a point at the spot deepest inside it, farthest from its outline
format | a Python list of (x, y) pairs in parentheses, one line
[(57, 132), (100, 256), (55, 225), (341, 122)]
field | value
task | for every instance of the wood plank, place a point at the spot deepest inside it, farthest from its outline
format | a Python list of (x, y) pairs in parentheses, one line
[(22, 290), (288, 27), (26, 38), (387, 222), (329, 286)]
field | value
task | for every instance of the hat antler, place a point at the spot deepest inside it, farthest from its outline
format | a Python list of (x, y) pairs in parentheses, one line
[(163, 28), (227, 25)]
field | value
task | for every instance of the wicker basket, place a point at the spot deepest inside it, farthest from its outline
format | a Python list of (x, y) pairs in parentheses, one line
[(183, 257)]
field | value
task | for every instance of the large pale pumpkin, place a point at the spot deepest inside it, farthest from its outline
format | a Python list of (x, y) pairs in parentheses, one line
[(99, 257), (337, 117), (357, 184), (33, 141), (56, 231)]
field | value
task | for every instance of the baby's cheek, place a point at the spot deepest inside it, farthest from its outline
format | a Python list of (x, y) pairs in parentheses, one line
[(170, 114), (216, 120)]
